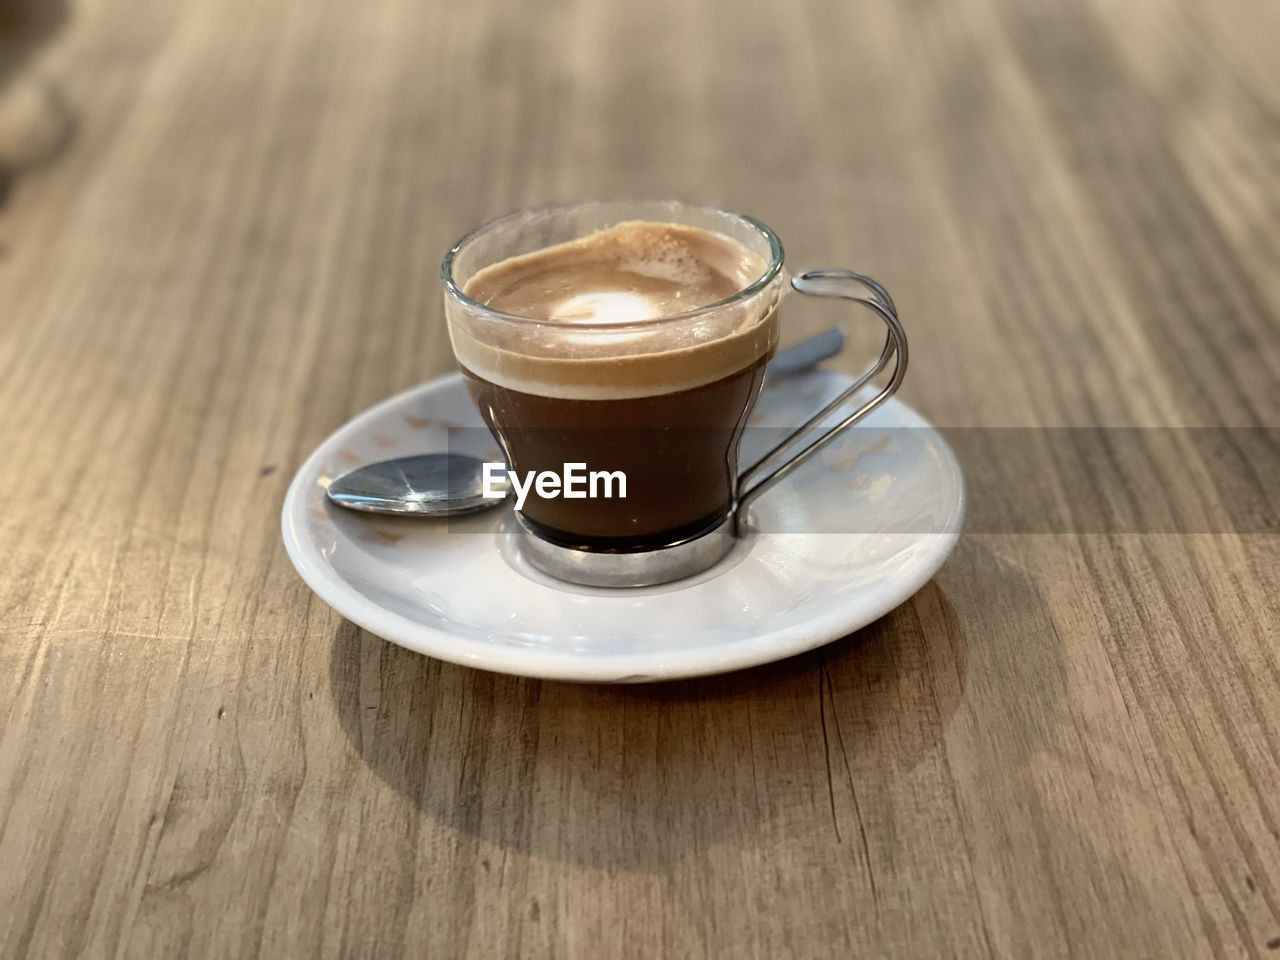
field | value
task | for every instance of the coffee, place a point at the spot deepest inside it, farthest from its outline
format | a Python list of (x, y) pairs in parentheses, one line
[(601, 378)]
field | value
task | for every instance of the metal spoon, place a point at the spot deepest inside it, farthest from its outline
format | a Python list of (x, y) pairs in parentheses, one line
[(451, 484)]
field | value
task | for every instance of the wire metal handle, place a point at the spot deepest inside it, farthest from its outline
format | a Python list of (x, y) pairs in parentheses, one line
[(842, 285)]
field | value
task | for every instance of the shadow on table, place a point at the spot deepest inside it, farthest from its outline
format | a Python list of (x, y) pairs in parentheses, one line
[(639, 777)]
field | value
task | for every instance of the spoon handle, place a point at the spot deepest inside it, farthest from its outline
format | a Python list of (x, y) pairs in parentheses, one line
[(806, 353)]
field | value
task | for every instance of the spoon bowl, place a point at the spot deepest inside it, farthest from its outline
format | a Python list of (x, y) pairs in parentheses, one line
[(427, 485)]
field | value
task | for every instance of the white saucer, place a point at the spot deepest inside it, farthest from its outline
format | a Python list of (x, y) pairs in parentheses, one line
[(459, 590)]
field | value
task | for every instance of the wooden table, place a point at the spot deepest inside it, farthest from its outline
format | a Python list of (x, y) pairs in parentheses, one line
[(1066, 745)]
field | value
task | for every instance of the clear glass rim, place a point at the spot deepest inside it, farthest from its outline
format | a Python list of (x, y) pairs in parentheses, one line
[(454, 289)]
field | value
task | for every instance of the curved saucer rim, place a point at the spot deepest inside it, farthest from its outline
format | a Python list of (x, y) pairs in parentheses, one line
[(753, 650)]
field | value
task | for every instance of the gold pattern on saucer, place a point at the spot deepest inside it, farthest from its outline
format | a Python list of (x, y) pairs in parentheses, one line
[(849, 462), (879, 487)]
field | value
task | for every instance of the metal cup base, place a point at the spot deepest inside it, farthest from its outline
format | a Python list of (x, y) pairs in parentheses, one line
[(644, 568)]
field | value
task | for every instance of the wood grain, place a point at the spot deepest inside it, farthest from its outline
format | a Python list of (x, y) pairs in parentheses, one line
[(1066, 745)]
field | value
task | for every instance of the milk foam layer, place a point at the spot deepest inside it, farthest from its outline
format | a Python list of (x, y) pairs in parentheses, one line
[(587, 296), (636, 270)]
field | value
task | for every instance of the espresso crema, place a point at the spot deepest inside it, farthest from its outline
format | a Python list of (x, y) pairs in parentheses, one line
[(621, 276)]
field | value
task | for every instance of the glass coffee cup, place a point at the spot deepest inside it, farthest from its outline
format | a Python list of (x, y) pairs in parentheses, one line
[(634, 398)]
